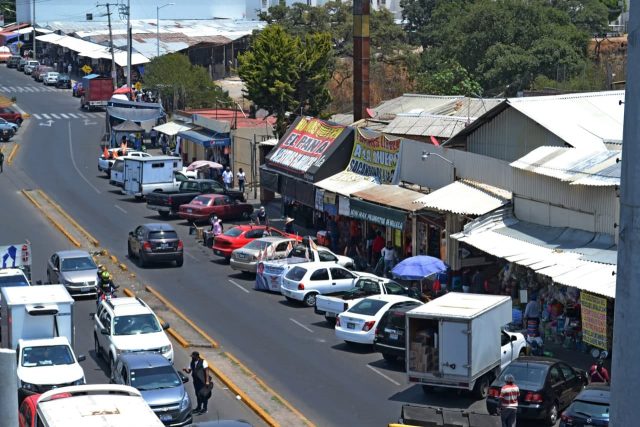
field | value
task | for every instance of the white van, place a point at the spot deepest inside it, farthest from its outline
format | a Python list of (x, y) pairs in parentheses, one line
[(149, 174), (117, 173)]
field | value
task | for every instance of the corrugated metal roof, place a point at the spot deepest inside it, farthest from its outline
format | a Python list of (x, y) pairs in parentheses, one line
[(408, 102), (427, 125), (568, 256), (579, 167), (463, 198), (347, 183), (391, 195)]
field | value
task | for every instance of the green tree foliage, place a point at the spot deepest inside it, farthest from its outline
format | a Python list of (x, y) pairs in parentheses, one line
[(182, 85), (8, 9), (285, 73), (451, 80)]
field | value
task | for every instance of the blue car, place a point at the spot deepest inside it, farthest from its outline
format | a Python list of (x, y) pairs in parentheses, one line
[(6, 132), (14, 126), (589, 408)]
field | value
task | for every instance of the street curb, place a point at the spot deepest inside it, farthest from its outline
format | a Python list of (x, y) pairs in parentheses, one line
[(173, 308), (73, 222), (54, 222), (13, 153), (129, 293)]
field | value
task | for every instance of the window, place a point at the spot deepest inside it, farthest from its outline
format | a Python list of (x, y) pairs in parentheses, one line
[(257, 245), (555, 376), (155, 378), (165, 234), (135, 324), (78, 264), (394, 288), (567, 372), (205, 187), (254, 234), (157, 165), (504, 339), (367, 307), (340, 274), (282, 246), (296, 273), (321, 274), (234, 232), (326, 256)]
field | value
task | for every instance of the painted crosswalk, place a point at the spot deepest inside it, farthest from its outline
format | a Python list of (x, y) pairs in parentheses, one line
[(29, 89), (67, 116)]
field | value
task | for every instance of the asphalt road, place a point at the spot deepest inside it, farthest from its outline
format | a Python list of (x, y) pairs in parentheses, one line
[(287, 345)]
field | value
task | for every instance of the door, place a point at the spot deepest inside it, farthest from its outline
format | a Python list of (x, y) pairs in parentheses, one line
[(341, 279), (573, 383), (132, 177), (506, 349), (556, 380), (104, 322), (454, 348)]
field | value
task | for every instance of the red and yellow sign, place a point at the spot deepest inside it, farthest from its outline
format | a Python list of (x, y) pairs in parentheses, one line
[(377, 157), (594, 320)]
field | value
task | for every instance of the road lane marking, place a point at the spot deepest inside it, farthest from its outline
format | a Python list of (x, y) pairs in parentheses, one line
[(73, 115), (238, 285), (73, 161), (301, 325), (36, 116), (28, 89), (120, 209), (46, 116), (5, 89), (64, 116), (386, 377), (18, 109), (55, 116), (48, 123)]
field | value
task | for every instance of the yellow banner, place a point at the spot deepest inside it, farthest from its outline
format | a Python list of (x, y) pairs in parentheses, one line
[(377, 156), (594, 320)]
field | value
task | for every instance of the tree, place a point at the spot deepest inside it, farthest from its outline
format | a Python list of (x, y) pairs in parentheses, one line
[(8, 9), (287, 74), (182, 85), (416, 14), (452, 80)]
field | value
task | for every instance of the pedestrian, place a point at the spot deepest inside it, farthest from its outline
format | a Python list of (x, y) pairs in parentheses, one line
[(216, 226), (227, 178), (1, 161), (288, 225), (241, 179), (388, 253), (69, 68), (532, 315), (261, 216), (164, 143), (201, 381), (153, 136), (598, 373), (509, 401), (376, 247)]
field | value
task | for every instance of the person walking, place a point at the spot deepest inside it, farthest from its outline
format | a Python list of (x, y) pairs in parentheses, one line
[(376, 248), (1, 161), (216, 226), (227, 178), (288, 225), (509, 401), (389, 256), (598, 373), (198, 371), (532, 315), (241, 179), (261, 216)]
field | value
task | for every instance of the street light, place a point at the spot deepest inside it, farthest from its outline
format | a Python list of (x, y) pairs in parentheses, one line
[(158, 24), (427, 154)]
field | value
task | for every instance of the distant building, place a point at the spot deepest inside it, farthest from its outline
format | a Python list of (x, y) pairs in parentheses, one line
[(256, 6)]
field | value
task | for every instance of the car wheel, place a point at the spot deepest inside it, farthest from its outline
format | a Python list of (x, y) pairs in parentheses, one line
[(310, 299), (112, 365), (96, 346), (481, 388), (553, 415), (129, 251), (331, 321), (19, 122), (5, 139), (141, 260), (389, 358), (179, 262)]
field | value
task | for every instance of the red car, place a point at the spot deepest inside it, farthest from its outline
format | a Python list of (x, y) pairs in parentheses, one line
[(240, 235), (205, 206), (11, 116), (27, 411)]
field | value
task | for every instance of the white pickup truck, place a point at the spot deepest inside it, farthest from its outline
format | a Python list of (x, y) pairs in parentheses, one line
[(270, 273), (331, 306), (106, 163)]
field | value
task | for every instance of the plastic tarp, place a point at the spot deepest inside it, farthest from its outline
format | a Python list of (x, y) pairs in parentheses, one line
[(204, 139), (135, 114), (172, 128)]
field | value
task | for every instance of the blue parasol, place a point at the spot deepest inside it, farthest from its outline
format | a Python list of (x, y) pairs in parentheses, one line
[(418, 267)]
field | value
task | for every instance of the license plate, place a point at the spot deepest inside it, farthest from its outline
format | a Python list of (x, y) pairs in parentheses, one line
[(393, 336), (165, 417), (85, 289), (351, 325), (189, 210), (240, 256), (164, 245)]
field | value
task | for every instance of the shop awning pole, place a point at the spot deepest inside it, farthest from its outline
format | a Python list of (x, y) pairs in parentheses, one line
[(626, 333)]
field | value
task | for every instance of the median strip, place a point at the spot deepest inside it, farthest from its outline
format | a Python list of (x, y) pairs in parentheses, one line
[(51, 219), (73, 222), (14, 150)]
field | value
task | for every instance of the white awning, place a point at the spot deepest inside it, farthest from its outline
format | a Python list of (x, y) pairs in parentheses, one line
[(172, 128), (96, 54), (465, 199), (50, 38), (568, 256), (136, 58), (346, 183)]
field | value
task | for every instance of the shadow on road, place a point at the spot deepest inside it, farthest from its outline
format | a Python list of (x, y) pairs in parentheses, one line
[(354, 348)]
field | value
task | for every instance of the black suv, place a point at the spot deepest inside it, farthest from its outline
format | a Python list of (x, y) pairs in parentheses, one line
[(390, 334), (63, 81), (157, 242)]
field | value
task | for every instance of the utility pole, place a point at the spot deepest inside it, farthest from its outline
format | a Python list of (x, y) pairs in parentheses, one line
[(114, 74), (626, 336), (361, 58), (33, 24), (126, 10)]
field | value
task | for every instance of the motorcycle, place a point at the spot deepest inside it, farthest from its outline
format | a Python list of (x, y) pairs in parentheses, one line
[(101, 295)]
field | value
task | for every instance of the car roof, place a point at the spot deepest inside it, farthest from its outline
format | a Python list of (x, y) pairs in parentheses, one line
[(158, 226), (274, 239), (144, 360), (533, 360), (73, 253), (11, 272), (128, 305), (41, 342), (598, 393), (391, 298)]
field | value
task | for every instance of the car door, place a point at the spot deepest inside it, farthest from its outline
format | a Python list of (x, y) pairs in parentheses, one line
[(231, 207), (139, 236), (556, 380), (105, 323), (326, 256), (53, 268), (573, 383), (506, 349), (319, 280), (281, 249), (341, 279)]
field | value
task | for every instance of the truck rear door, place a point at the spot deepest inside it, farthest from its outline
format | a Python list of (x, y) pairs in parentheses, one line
[(132, 174), (454, 348)]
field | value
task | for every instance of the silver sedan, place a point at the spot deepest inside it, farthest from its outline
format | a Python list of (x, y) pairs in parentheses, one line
[(75, 270)]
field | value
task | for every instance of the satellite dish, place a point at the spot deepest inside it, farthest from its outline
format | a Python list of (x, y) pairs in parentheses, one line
[(261, 113), (370, 112)]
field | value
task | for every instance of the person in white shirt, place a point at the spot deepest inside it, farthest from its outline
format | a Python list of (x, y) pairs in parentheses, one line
[(241, 179), (389, 255), (227, 178)]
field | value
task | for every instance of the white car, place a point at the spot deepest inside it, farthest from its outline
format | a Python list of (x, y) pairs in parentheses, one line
[(30, 66), (305, 281), (45, 364), (50, 78), (128, 325), (105, 163), (358, 324)]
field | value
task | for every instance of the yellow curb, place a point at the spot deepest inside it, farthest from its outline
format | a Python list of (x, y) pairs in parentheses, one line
[(181, 340), (155, 293), (26, 115), (73, 222), (54, 222), (14, 150), (113, 259), (123, 267), (128, 292), (269, 389)]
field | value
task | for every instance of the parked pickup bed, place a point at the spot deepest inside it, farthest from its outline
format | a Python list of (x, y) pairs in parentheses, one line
[(331, 306), (168, 203), (270, 273)]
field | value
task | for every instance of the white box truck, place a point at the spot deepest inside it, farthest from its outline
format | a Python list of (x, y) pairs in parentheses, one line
[(144, 175), (457, 341)]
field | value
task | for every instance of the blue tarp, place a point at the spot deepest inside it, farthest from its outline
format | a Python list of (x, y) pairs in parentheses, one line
[(205, 139)]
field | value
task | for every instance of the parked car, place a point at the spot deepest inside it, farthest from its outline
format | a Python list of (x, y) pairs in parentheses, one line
[(10, 115), (75, 270), (155, 243), (21, 64), (63, 82), (77, 90), (6, 131), (30, 67), (390, 338), (238, 236), (51, 78), (13, 61), (13, 126), (246, 258), (547, 386), (206, 206), (358, 324), (161, 386), (127, 325), (105, 163), (589, 408), (40, 72)]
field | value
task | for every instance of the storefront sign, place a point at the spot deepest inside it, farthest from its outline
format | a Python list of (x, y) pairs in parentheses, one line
[(375, 157), (344, 206), (388, 217), (306, 146), (319, 200), (594, 320)]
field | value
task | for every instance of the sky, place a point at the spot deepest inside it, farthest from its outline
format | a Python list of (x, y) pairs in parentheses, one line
[(76, 10)]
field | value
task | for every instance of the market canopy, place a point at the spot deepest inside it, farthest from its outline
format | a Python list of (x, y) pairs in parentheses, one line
[(128, 126), (465, 198), (173, 128), (135, 114), (204, 138), (346, 182)]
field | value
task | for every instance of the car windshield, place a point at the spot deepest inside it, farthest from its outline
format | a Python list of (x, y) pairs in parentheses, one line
[(47, 355), (17, 280), (77, 264), (154, 378), (394, 288), (590, 409), (528, 377), (233, 232), (296, 273), (367, 307), (396, 320), (158, 235), (135, 324), (257, 245)]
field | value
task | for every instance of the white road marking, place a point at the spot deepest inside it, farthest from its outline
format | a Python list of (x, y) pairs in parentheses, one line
[(64, 116), (120, 209), (73, 115), (73, 160), (36, 116), (301, 325), (28, 89), (238, 285), (18, 109), (48, 123), (5, 89), (386, 377), (19, 89), (55, 116), (81, 115), (46, 116)]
